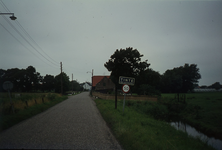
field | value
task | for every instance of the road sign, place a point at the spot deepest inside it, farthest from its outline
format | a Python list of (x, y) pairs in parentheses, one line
[(126, 80), (7, 85), (126, 88)]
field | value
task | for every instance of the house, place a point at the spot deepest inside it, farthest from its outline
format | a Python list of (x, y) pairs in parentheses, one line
[(86, 86), (96, 79), (102, 84)]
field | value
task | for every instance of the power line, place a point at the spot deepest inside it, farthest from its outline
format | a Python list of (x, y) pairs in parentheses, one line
[(28, 35), (23, 44), (21, 27), (5, 7), (26, 40)]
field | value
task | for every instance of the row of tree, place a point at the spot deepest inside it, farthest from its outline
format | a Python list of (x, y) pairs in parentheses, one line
[(215, 86), (124, 62), (29, 80), (127, 62)]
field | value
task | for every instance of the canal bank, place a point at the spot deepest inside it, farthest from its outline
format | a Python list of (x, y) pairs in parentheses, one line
[(200, 110), (212, 141)]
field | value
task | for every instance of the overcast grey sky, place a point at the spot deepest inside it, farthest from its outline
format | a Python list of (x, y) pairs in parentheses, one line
[(84, 34)]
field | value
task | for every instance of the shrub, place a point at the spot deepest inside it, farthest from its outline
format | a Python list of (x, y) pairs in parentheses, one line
[(51, 97)]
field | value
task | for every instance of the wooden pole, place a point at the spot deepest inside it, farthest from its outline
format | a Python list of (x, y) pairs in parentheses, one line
[(61, 78)]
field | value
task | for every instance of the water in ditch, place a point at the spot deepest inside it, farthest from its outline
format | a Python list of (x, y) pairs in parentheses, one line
[(216, 143)]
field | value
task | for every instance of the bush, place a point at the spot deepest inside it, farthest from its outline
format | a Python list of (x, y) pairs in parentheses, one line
[(51, 97), (158, 111), (26, 97)]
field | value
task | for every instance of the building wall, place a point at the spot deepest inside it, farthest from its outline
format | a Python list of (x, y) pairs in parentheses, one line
[(86, 86), (105, 84)]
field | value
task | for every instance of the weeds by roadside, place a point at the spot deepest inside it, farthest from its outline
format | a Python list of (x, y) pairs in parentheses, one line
[(137, 130), (26, 106)]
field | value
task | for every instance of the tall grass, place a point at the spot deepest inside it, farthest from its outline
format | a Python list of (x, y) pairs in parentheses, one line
[(23, 101), (136, 130)]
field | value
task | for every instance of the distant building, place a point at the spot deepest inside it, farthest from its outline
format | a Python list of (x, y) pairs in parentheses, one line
[(206, 90), (97, 79), (102, 84), (86, 86)]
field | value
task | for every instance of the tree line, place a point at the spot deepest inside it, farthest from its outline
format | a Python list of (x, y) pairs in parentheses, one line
[(127, 62), (29, 80), (124, 62)]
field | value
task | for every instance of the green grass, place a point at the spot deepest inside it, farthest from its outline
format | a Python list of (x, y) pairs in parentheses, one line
[(203, 111), (136, 130), (9, 119)]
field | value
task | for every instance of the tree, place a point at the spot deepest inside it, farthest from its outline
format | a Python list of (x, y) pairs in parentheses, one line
[(147, 82), (33, 78), (190, 76), (48, 83), (65, 83), (216, 86), (23, 79), (75, 85), (181, 79), (125, 62)]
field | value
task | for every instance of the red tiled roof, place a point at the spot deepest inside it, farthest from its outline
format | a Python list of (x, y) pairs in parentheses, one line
[(96, 79)]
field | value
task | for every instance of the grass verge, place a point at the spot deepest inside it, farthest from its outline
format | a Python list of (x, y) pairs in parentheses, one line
[(136, 130), (201, 110), (8, 120)]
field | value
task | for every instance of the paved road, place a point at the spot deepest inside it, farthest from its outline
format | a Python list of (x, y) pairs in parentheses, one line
[(73, 124)]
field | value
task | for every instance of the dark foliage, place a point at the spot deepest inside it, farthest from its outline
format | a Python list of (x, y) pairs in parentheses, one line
[(181, 79)]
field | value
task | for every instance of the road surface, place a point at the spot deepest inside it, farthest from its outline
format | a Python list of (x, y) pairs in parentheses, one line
[(72, 124)]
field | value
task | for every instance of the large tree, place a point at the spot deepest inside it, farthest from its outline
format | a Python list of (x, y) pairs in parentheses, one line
[(48, 83), (75, 86), (181, 79), (23, 79), (32, 78), (148, 82), (65, 83), (125, 62), (216, 86)]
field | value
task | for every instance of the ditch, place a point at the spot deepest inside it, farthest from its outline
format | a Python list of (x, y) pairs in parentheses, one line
[(212, 141)]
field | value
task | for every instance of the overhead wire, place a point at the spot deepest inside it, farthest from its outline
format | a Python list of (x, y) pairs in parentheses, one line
[(26, 40), (21, 27), (5, 7), (28, 35), (23, 44)]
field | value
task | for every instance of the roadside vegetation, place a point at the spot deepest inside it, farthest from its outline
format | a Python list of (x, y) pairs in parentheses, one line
[(201, 110), (25, 106), (144, 125)]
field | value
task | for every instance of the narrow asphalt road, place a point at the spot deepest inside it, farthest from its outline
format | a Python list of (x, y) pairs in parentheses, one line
[(72, 124)]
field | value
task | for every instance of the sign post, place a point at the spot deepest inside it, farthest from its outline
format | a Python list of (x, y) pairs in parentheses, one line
[(126, 80), (125, 89)]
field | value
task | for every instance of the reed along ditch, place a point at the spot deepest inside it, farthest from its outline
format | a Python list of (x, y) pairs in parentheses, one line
[(197, 119)]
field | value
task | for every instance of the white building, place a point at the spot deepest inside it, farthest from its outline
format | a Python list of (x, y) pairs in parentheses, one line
[(207, 90), (86, 86)]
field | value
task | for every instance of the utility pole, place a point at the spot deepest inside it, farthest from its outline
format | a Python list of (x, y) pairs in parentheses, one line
[(92, 76), (72, 83), (92, 84), (61, 78)]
